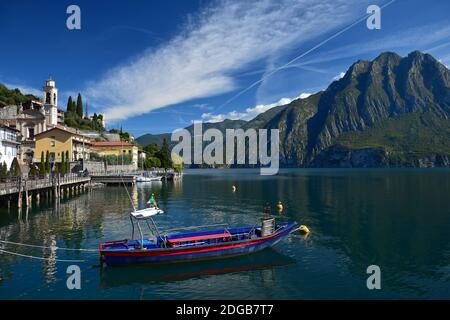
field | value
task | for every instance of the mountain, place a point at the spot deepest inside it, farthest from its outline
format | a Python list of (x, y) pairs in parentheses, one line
[(392, 111), (147, 139)]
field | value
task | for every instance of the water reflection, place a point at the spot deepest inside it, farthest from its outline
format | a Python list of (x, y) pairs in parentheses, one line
[(265, 260), (397, 219)]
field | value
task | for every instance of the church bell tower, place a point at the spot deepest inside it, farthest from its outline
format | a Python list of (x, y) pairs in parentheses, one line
[(51, 101)]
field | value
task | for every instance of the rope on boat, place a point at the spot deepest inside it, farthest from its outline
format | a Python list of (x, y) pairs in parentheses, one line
[(39, 258), (129, 196), (44, 247)]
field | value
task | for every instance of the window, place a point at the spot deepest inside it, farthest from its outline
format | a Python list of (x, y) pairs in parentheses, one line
[(53, 141), (30, 133)]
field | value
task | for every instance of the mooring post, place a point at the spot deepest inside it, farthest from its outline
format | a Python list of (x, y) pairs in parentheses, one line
[(27, 200), (19, 201), (55, 187)]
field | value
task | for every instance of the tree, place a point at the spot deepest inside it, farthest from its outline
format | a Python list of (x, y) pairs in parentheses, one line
[(15, 170), (33, 170), (80, 106), (63, 163), (164, 155), (47, 162), (94, 120), (125, 136), (42, 165), (70, 105), (177, 162), (67, 162), (152, 162), (3, 169), (151, 150)]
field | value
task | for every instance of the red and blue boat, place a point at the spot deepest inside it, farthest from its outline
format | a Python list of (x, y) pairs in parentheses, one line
[(191, 246)]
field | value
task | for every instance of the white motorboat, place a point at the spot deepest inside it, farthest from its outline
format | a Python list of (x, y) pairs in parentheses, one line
[(147, 212), (147, 179)]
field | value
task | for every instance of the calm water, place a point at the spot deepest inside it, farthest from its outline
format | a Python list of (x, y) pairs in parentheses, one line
[(397, 219)]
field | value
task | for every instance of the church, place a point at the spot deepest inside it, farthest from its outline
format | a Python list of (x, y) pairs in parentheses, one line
[(34, 117)]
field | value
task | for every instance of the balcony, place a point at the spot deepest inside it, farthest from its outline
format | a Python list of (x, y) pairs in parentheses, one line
[(11, 138)]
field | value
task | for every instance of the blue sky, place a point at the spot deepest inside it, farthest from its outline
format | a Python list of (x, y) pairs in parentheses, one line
[(155, 66)]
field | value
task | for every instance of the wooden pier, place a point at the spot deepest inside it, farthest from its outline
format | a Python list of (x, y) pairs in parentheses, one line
[(114, 179), (56, 186)]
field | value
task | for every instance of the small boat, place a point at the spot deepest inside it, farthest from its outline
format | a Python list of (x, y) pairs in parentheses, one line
[(148, 179), (164, 247), (147, 212)]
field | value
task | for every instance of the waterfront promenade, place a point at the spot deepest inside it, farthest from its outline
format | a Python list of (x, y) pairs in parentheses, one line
[(23, 190)]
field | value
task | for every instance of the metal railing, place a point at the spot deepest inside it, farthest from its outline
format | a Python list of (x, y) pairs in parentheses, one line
[(11, 185)]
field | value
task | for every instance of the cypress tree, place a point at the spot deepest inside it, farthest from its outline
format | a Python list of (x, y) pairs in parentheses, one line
[(63, 163), (164, 155), (15, 168), (3, 169), (70, 105), (47, 162), (33, 171), (42, 165), (80, 106), (67, 162)]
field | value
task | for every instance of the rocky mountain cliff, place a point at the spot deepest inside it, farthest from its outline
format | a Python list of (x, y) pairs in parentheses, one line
[(392, 111)]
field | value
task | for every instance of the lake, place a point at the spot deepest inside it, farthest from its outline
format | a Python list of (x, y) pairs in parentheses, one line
[(397, 219)]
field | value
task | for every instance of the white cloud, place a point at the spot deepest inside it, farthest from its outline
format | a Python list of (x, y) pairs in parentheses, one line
[(250, 113), (222, 40)]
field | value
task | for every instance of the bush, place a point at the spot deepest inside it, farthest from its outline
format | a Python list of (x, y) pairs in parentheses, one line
[(33, 171), (3, 170), (15, 170)]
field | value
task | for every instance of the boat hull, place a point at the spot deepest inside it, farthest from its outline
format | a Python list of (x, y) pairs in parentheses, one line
[(177, 255)]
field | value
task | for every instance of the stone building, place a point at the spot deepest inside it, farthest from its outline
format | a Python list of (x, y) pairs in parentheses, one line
[(9, 145), (59, 140), (33, 118)]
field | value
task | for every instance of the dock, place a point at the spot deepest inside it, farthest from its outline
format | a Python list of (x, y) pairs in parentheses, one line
[(20, 189), (114, 179)]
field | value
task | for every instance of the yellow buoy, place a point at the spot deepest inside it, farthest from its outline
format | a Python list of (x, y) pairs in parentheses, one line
[(304, 229), (233, 188), (279, 206)]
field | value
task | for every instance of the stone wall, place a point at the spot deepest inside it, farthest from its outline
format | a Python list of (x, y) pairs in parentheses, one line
[(99, 167), (8, 112)]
